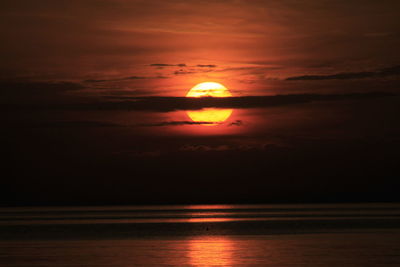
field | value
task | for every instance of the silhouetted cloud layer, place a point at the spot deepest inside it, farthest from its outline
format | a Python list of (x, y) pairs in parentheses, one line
[(173, 123), (97, 124), (124, 79), (167, 65), (206, 66), (391, 71), (63, 124), (166, 104), (182, 65), (42, 87), (179, 72), (28, 92)]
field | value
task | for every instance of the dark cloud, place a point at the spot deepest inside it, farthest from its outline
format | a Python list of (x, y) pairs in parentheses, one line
[(361, 138), (96, 81), (139, 77), (206, 66), (231, 147), (192, 148), (250, 68), (379, 34), (62, 124), (95, 124), (166, 104), (395, 70), (236, 123), (32, 86), (167, 65), (338, 76), (179, 72), (36, 92), (175, 123), (124, 79), (192, 71), (391, 71)]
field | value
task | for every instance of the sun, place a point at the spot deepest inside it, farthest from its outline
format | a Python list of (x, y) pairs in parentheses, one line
[(209, 89), (210, 116)]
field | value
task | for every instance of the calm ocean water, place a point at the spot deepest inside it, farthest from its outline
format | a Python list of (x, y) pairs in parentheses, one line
[(202, 235)]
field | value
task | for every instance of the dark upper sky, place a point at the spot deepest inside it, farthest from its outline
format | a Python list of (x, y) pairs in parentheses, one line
[(92, 110)]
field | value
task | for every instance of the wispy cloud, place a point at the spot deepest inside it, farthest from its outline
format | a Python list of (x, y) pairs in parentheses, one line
[(236, 123), (391, 71), (167, 65), (174, 123), (124, 79), (180, 72), (192, 71), (182, 65), (206, 66), (250, 68)]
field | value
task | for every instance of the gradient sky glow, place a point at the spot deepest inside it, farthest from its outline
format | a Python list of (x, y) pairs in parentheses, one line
[(165, 47)]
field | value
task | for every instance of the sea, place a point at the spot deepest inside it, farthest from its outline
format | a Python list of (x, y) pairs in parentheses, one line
[(279, 235)]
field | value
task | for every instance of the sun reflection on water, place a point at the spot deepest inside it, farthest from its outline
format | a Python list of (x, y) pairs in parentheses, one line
[(211, 251)]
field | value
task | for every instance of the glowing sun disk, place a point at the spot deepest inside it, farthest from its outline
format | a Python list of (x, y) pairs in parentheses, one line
[(210, 116), (209, 89)]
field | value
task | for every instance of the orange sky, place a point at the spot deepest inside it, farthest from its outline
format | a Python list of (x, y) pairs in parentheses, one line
[(135, 47)]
